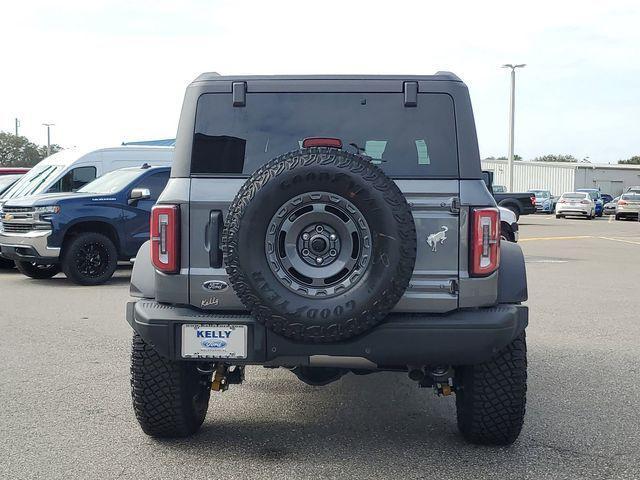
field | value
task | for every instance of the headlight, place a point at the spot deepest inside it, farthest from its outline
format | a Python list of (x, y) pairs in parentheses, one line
[(47, 209)]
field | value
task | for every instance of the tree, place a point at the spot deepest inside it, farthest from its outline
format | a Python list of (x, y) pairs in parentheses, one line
[(556, 158), (635, 160), (18, 151)]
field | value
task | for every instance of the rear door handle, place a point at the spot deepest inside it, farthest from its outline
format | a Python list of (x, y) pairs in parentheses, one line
[(214, 233)]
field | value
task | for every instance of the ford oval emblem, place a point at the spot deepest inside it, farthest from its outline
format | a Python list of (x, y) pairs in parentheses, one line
[(213, 343), (214, 285)]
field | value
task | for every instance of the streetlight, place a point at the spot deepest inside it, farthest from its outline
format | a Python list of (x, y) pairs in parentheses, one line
[(511, 118), (49, 125)]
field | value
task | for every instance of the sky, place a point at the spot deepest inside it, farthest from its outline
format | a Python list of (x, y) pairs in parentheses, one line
[(107, 71)]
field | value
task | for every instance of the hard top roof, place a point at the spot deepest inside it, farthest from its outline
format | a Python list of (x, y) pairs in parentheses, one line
[(438, 76)]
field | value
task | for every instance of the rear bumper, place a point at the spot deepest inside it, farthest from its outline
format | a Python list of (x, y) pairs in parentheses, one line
[(31, 246), (461, 338)]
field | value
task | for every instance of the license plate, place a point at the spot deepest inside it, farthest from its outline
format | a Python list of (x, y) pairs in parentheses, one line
[(214, 341)]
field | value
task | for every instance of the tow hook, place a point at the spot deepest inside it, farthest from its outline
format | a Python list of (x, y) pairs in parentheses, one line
[(225, 375), (440, 378)]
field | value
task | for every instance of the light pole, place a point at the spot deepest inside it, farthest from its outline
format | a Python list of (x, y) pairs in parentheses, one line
[(512, 106), (49, 125)]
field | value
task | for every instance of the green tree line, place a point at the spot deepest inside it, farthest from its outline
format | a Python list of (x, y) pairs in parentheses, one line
[(18, 151), (635, 160)]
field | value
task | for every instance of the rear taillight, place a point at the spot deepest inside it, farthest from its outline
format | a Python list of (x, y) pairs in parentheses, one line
[(562, 201), (485, 242), (533, 200), (321, 142), (586, 202), (165, 238), (622, 202)]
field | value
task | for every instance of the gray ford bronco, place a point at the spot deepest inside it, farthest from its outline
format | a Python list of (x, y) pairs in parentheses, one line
[(328, 225)]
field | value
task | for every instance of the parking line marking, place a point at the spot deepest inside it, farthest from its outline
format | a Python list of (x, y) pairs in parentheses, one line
[(619, 240), (531, 239), (611, 218)]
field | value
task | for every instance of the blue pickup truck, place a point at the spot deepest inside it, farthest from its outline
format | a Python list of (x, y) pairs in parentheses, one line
[(85, 233)]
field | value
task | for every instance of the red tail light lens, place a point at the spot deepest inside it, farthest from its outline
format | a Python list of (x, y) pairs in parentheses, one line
[(586, 202), (622, 202), (165, 238), (533, 200), (562, 201), (485, 241), (321, 142)]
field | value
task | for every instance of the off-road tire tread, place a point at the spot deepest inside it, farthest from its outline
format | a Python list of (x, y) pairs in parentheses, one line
[(491, 403), (159, 389), (351, 164)]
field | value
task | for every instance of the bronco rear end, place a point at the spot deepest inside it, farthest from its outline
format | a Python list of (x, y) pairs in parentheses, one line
[(328, 225)]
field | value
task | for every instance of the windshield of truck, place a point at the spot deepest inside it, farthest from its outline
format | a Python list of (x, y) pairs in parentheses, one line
[(35, 181), (417, 141), (111, 182)]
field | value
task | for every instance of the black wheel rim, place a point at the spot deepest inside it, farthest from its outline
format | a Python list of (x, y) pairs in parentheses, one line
[(92, 259), (318, 244)]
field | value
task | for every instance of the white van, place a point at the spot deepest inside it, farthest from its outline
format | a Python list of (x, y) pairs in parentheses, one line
[(68, 170)]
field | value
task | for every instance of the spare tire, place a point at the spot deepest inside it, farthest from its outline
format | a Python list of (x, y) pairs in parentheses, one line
[(319, 244)]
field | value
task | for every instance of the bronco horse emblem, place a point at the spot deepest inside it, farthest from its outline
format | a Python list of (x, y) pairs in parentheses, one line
[(434, 238)]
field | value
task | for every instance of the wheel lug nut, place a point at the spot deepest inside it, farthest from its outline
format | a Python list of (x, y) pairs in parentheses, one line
[(319, 228), (305, 252), (305, 236), (332, 252), (333, 237), (318, 260)]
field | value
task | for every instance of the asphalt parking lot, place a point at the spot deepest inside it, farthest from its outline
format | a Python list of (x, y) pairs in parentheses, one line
[(65, 407)]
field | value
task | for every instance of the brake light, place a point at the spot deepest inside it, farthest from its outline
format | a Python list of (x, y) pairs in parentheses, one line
[(321, 142), (562, 200), (533, 199), (622, 202), (165, 236), (485, 242), (586, 202)]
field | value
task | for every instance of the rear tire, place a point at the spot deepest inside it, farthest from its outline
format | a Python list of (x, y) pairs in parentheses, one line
[(492, 396), (506, 232), (40, 272), (170, 399), (90, 258), (558, 216)]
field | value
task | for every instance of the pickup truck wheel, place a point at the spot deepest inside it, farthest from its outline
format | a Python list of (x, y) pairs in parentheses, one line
[(170, 399), (514, 208), (506, 232), (90, 258), (35, 270), (491, 398), (319, 244)]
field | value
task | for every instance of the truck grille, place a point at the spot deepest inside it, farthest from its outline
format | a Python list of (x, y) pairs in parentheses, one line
[(17, 227), (7, 209)]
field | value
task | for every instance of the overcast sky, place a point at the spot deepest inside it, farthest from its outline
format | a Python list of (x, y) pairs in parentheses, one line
[(107, 71)]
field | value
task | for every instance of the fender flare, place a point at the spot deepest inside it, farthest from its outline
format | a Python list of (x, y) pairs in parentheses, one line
[(143, 276), (512, 274)]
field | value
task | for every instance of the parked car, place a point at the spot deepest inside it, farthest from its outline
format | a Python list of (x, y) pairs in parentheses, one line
[(499, 189), (596, 196), (84, 234), (628, 206), (545, 201), (635, 189), (330, 214), (518, 203), (606, 198), (13, 171), (68, 170), (610, 207), (508, 225), (576, 204)]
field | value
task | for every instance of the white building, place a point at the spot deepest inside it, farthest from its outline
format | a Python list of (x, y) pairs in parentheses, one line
[(565, 177)]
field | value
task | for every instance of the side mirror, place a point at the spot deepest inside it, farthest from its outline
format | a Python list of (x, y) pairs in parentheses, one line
[(138, 194)]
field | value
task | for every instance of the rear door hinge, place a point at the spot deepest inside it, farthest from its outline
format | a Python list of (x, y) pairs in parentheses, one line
[(453, 287), (455, 205)]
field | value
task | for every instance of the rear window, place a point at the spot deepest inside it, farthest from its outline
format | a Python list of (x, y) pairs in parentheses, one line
[(404, 141), (631, 197), (575, 195)]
